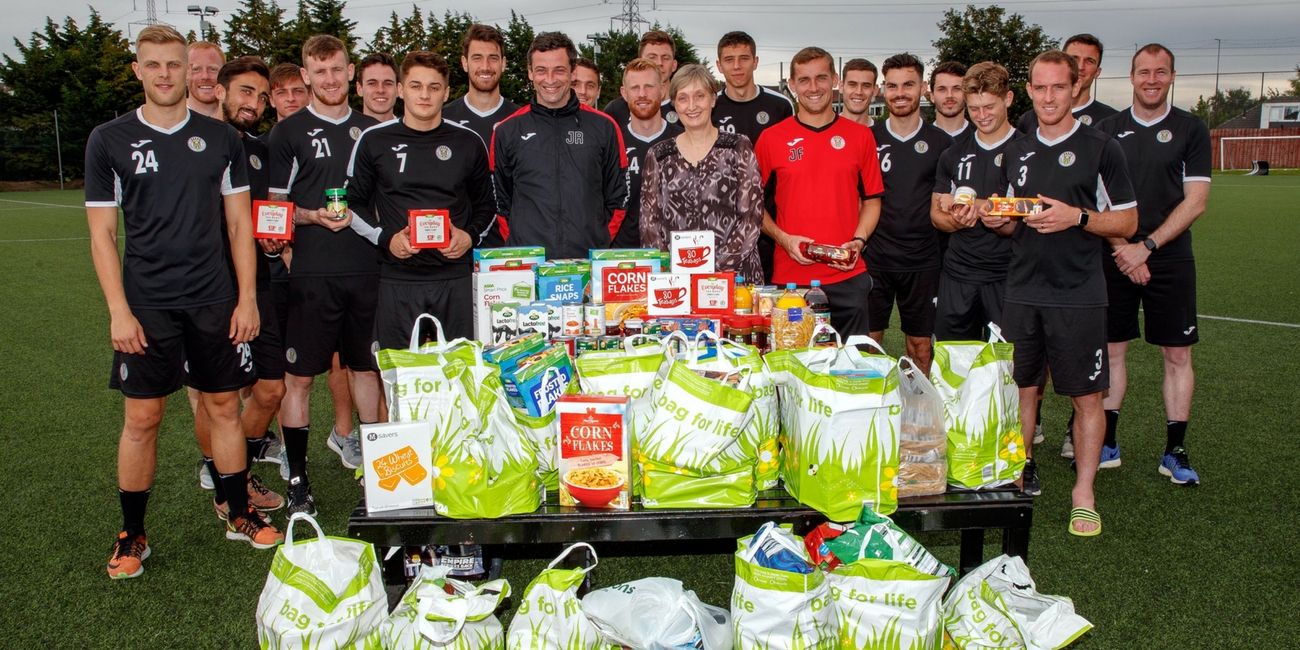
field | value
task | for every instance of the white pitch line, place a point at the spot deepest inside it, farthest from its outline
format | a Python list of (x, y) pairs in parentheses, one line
[(16, 241), (48, 205), (1247, 320)]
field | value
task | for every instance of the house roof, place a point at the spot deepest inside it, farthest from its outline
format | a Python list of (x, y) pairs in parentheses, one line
[(1247, 120)]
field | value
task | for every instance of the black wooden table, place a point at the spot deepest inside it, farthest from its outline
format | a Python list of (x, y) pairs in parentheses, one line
[(641, 531)]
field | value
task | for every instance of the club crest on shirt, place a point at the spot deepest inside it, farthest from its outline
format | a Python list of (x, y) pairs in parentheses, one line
[(1086, 119), (837, 142), (254, 161), (1165, 135), (998, 160), (291, 355), (1067, 159), (671, 117), (121, 372), (922, 146), (374, 347), (763, 117), (444, 152), (355, 132), (197, 144)]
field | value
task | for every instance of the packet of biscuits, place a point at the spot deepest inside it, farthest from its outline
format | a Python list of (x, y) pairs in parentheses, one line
[(1014, 208)]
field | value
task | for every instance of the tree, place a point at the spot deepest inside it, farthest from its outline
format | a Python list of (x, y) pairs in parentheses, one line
[(84, 74), (514, 81), (618, 48), (256, 28), (988, 34), (400, 35), (1223, 106)]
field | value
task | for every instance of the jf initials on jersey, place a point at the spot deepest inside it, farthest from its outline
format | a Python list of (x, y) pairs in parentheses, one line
[(1162, 155), (906, 240), (1090, 114), (395, 169), (309, 154), (1084, 168), (751, 118), (169, 184), (636, 146), (817, 177), (976, 255)]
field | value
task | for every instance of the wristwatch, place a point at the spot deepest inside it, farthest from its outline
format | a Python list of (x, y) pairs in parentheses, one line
[(1083, 218), (1150, 244)]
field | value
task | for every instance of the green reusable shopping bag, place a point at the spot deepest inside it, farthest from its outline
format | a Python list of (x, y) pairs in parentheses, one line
[(544, 431), (322, 592), (982, 411), (840, 415), (429, 618), (773, 609), (627, 372), (550, 614), (997, 607), (760, 438), (488, 468), (416, 380), (696, 431), (886, 605)]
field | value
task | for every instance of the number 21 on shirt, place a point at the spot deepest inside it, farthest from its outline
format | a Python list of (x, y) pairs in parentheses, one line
[(322, 147)]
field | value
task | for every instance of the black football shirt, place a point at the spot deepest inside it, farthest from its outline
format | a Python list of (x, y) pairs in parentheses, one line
[(1086, 169), (1089, 114), (395, 169), (629, 232), (1162, 155), (484, 124), (906, 239), (751, 118), (309, 154), (259, 182), (975, 255), (170, 184)]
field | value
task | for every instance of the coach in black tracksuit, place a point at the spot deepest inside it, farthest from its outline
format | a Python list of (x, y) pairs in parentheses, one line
[(558, 166)]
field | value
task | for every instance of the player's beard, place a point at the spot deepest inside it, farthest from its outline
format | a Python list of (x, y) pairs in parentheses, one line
[(650, 111), (913, 107), (318, 97), (939, 109), (234, 120), (484, 87)]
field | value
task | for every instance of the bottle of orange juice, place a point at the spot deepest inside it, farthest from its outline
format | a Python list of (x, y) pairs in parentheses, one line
[(790, 298), (744, 298)]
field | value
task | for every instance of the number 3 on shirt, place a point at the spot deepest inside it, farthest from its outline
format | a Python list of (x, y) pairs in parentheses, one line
[(1024, 171)]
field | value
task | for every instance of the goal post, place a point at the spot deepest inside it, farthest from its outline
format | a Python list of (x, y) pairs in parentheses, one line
[(1264, 147)]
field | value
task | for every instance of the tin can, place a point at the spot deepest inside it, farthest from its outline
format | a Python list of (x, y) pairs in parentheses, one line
[(632, 326), (609, 342), (585, 344), (572, 319), (568, 343), (336, 201), (593, 319)]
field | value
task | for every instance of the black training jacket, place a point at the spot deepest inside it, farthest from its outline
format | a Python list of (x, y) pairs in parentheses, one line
[(559, 178)]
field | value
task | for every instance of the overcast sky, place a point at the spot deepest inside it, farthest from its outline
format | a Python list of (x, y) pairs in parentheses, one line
[(1256, 35)]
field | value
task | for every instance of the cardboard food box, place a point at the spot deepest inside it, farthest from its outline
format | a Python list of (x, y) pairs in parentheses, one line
[(692, 251), (563, 282), (493, 287), (554, 318), (397, 461), (507, 354), (429, 228), (533, 318), (273, 220), (530, 387), (668, 294), (504, 317), (602, 259), (1014, 208), (713, 293), (625, 290), (508, 259), (594, 455)]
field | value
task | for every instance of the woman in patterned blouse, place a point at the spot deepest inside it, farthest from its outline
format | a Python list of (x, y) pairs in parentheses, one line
[(704, 180)]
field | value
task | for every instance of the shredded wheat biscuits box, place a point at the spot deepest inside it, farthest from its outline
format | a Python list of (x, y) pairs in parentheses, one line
[(397, 461), (594, 452)]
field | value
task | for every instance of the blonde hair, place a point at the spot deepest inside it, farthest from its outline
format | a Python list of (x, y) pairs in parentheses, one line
[(207, 45), (639, 65), (691, 74), (158, 35), (987, 77)]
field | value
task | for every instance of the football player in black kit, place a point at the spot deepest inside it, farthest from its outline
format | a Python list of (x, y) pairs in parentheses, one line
[(643, 89)]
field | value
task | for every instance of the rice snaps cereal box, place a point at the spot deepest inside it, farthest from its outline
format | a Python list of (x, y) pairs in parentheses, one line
[(563, 282), (594, 459), (692, 251), (668, 294), (496, 287), (397, 461)]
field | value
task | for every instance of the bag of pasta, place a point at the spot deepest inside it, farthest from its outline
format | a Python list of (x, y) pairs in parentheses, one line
[(922, 444)]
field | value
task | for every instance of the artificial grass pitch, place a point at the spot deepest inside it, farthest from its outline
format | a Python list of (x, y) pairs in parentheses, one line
[(1207, 567)]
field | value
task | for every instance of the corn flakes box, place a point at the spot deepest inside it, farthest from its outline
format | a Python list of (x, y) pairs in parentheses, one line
[(593, 457)]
